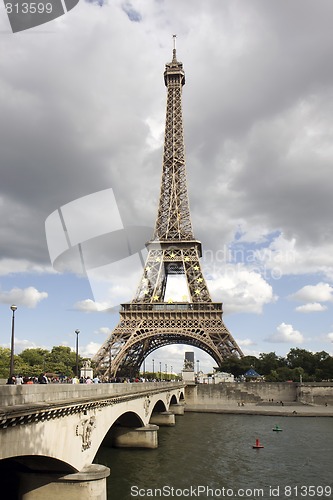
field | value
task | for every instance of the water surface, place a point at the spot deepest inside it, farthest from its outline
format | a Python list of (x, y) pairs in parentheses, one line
[(215, 451)]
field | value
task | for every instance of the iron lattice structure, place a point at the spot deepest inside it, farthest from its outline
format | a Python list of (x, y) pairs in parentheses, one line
[(149, 322)]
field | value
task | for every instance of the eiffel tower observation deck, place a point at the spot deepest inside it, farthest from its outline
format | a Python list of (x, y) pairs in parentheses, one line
[(149, 321)]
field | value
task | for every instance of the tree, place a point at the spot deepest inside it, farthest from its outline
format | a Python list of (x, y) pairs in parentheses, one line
[(34, 356), (302, 358), (32, 362), (269, 361), (4, 362), (281, 374), (326, 367), (238, 366)]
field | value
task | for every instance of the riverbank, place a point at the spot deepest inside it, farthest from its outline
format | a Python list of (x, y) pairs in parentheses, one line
[(287, 410)]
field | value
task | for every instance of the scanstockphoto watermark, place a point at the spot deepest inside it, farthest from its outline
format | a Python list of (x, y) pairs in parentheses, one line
[(168, 491), (204, 491), (23, 14)]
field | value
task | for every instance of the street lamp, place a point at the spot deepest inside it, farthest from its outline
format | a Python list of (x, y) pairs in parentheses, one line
[(198, 367), (11, 369), (77, 352), (153, 368), (160, 371), (110, 363)]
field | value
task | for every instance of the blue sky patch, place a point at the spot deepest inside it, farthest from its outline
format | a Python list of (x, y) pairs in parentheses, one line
[(132, 14)]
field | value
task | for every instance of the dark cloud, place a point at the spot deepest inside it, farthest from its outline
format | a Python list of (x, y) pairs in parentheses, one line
[(80, 113)]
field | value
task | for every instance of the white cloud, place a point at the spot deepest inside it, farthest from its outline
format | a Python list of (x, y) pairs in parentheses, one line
[(258, 146), (311, 307), (28, 297), (241, 290), (286, 333), (251, 352), (88, 305), (89, 350), (245, 342), (322, 292), (289, 256), (22, 344), (105, 330), (10, 266)]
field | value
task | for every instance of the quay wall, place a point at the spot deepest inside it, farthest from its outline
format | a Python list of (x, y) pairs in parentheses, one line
[(316, 393), (259, 392)]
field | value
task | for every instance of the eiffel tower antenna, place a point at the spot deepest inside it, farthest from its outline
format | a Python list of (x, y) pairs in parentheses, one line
[(149, 321), (174, 46)]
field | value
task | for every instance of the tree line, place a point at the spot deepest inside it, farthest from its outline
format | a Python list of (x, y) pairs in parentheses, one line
[(298, 364), (61, 360)]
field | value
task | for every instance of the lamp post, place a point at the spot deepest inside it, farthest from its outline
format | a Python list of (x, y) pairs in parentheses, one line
[(160, 371), (153, 368), (198, 367), (77, 352), (11, 369), (110, 363)]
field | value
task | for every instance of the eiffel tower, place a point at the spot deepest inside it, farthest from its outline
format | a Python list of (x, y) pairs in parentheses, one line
[(149, 322)]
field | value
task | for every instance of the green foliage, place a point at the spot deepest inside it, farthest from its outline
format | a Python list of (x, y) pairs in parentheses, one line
[(299, 364), (32, 362), (156, 375), (4, 362), (269, 362), (34, 356)]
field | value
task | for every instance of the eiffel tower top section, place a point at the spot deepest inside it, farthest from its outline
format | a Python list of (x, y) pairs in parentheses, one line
[(173, 223)]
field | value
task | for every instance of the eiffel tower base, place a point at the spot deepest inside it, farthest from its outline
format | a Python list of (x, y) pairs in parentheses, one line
[(141, 437), (145, 327)]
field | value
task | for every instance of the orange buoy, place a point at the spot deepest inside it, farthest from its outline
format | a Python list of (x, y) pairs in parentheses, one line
[(257, 445)]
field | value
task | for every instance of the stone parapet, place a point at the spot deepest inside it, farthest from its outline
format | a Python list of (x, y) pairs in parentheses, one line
[(13, 395)]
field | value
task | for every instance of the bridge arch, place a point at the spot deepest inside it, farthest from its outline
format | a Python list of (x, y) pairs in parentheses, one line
[(129, 419), (173, 400), (159, 406)]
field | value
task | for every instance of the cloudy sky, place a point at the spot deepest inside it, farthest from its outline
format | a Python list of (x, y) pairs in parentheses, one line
[(81, 136)]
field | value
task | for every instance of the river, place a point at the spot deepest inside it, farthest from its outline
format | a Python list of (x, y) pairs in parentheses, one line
[(211, 456)]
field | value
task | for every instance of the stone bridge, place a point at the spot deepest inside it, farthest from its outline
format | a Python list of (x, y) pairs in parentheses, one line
[(50, 434)]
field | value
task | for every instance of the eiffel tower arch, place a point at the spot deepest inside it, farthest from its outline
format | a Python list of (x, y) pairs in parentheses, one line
[(149, 321)]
